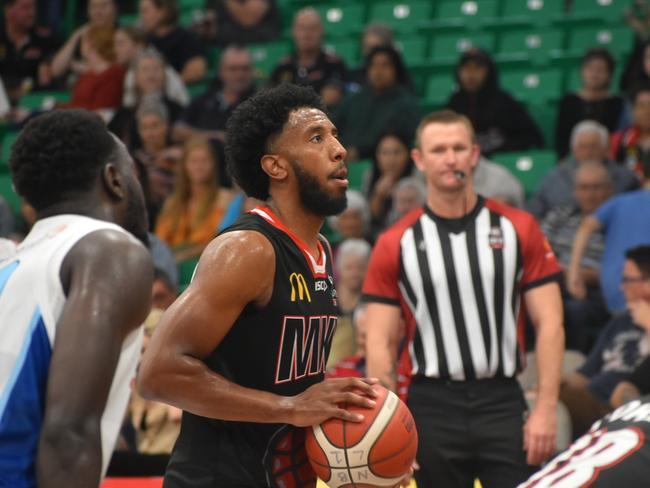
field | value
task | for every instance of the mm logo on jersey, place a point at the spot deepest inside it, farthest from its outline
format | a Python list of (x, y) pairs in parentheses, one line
[(304, 346), (299, 289)]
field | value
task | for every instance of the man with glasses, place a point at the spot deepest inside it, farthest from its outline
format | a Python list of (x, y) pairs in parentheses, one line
[(621, 346)]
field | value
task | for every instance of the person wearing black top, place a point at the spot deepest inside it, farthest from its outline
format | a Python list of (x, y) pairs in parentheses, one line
[(501, 122)]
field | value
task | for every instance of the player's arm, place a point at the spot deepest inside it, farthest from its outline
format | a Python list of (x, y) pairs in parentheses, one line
[(575, 283), (382, 333), (544, 305), (236, 269), (107, 277)]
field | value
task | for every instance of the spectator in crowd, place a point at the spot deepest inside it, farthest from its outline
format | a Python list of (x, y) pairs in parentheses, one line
[(190, 216), (631, 145), (625, 223), (309, 64), (181, 48), (350, 267), (384, 103), (157, 153), (149, 75), (501, 122), (100, 85), (5, 106), (581, 315), (24, 49), (243, 21), (354, 222), (69, 59), (129, 42), (409, 193), (391, 163), (620, 348), (207, 114), (492, 180), (6, 219), (639, 381), (593, 101), (589, 142), (375, 34)]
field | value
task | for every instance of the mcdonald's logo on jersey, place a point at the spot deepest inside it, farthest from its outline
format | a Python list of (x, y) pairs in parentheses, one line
[(299, 287)]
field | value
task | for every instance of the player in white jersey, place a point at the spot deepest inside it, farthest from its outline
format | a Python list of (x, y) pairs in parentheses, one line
[(71, 299)]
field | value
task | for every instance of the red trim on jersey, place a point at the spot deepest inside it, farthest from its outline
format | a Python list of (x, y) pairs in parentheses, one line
[(317, 266)]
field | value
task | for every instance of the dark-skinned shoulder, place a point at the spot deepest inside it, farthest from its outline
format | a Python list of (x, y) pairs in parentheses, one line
[(117, 262)]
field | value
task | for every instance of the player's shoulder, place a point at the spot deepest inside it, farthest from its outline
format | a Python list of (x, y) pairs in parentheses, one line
[(236, 245)]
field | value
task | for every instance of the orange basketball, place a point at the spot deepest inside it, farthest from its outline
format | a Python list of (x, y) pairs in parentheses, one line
[(375, 452)]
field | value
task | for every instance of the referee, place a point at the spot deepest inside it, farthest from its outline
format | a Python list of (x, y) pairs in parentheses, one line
[(457, 271)]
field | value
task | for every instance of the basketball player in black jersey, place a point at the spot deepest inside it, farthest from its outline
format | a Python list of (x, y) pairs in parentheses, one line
[(243, 350)]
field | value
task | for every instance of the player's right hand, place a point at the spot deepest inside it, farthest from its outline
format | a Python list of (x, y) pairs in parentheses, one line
[(323, 400)]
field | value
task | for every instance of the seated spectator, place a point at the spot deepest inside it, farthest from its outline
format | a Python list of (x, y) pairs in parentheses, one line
[(244, 21), (190, 216), (165, 281), (354, 221), (501, 122), (100, 85), (149, 74), (631, 146), (5, 106), (408, 194), (592, 188), (639, 381), (207, 114), (593, 101), (620, 348), (375, 34), (69, 60), (24, 49), (351, 264), (181, 48), (495, 181), (129, 42), (309, 64), (384, 103), (159, 157), (589, 142), (625, 223), (391, 163)]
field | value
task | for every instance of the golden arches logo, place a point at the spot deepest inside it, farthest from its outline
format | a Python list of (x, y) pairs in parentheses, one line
[(301, 285)]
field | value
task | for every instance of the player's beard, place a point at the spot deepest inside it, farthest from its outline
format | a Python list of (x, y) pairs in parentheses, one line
[(314, 197)]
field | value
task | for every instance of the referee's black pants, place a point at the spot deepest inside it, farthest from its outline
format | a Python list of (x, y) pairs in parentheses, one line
[(467, 430)]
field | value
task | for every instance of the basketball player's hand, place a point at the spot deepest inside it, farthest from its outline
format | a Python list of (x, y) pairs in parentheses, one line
[(323, 400), (539, 434)]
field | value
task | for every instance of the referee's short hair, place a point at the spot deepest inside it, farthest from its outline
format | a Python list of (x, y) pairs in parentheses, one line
[(640, 255), (445, 117)]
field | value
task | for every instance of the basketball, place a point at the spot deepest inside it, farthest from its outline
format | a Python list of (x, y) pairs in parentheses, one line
[(378, 451)]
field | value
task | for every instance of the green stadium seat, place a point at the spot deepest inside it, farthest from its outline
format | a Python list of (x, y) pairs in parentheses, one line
[(267, 55), (342, 19), (538, 47), (469, 14), (598, 10), (446, 48), (619, 40), (439, 88), (533, 86), (413, 49), (359, 174), (198, 88), (529, 167), (7, 192), (128, 20), (186, 271), (346, 49), (403, 16), (545, 114), (531, 12), (43, 100)]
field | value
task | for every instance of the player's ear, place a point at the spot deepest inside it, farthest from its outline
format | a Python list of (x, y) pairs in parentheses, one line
[(113, 182), (416, 156), (274, 166)]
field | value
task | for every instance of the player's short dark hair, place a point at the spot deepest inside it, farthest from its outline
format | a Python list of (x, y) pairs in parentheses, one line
[(254, 124), (640, 255), (59, 153), (172, 12)]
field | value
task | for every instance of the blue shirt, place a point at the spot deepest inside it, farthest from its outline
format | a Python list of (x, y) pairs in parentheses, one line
[(625, 221)]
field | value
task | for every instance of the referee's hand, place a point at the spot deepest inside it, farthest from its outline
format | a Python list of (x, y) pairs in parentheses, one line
[(539, 434)]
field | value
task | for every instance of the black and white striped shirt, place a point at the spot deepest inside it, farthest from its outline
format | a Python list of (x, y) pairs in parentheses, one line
[(459, 284)]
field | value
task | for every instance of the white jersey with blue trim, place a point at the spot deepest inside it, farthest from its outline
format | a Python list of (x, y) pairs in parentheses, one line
[(31, 302)]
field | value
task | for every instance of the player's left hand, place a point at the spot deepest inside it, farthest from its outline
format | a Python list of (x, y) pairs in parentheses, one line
[(539, 434)]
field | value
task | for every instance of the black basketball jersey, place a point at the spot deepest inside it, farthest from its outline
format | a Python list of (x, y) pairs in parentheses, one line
[(281, 348), (615, 453)]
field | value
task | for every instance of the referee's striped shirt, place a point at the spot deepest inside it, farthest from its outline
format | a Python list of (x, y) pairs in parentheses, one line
[(459, 283)]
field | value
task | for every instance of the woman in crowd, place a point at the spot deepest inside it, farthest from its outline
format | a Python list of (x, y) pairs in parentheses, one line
[(191, 215)]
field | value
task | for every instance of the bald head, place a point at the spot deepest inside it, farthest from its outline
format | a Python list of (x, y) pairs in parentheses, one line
[(307, 30)]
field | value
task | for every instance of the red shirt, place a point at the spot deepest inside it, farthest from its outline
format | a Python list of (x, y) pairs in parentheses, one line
[(94, 91)]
